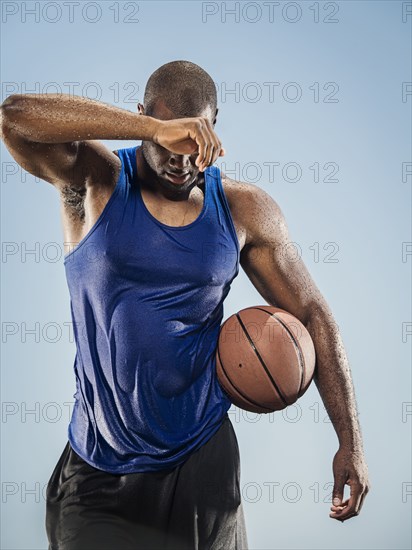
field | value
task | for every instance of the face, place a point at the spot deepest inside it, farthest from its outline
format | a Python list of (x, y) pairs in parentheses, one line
[(177, 173)]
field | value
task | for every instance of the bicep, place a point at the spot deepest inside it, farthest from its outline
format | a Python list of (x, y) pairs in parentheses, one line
[(274, 265)]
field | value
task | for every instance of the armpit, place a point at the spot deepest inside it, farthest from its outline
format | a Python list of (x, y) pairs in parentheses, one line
[(73, 201)]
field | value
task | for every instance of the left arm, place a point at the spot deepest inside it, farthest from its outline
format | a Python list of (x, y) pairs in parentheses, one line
[(280, 276)]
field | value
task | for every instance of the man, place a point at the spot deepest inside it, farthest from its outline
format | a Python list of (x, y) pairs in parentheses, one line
[(152, 459)]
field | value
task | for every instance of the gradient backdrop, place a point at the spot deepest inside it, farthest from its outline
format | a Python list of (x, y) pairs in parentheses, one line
[(315, 104)]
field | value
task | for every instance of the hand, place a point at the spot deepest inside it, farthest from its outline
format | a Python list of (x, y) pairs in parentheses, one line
[(349, 467), (185, 136)]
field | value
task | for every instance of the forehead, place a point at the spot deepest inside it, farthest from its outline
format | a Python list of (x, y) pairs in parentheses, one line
[(162, 112)]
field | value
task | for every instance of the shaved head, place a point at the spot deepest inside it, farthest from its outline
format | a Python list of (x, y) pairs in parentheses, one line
[(184, 87)]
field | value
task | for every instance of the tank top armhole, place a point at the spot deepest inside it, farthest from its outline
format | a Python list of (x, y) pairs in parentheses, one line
[(104, 212), (227, 209)]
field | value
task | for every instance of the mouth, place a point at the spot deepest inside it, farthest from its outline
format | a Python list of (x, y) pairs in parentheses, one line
[(178, 177)]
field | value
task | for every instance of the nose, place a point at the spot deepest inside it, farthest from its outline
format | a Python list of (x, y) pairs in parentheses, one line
[(179, 162)]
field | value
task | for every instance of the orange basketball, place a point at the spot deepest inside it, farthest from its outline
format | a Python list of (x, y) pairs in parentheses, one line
[(265, 359)]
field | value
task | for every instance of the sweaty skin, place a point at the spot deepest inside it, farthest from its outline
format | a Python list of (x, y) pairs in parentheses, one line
[(55, 137)]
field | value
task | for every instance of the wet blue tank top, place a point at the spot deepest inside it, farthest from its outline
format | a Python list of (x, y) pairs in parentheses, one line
[(147, 304)]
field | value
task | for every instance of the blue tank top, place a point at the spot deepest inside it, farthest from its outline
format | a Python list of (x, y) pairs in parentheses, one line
[(147, 304)]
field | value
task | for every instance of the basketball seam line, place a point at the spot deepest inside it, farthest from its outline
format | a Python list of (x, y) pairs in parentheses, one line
[(260, 358), (295, 343)]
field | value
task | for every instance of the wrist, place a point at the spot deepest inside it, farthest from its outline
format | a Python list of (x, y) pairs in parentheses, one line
[(153, 127), (350, 442)]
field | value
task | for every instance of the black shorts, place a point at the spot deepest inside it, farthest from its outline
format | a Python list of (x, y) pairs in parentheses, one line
[(195, 506)]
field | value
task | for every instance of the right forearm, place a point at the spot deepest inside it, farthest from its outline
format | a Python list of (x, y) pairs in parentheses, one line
[(60, 118)]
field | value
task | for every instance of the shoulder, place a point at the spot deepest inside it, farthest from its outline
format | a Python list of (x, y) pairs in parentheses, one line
[(255, 210)]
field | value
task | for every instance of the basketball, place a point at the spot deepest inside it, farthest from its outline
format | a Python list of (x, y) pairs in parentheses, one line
[(265, 358)]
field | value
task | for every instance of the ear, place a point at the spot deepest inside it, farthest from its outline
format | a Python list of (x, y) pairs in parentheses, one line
[(140, 108)]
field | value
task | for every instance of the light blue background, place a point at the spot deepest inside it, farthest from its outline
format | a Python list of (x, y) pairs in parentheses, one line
[(366, 213)]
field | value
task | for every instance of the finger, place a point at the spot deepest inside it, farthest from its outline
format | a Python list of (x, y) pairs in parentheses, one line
[(352, 509), (340, 506), (199, 138), (211, 147), (336, 515), (202, 151), (336, 510), (354, 500), (361, 502), (216, 149), (215, 143), (365, 492), (338, 489)]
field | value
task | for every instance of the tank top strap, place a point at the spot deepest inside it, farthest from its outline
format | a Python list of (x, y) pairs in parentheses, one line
[(128, 158), (218, 196)]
